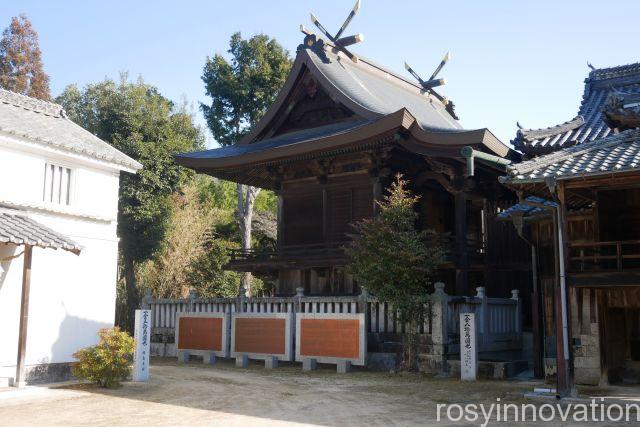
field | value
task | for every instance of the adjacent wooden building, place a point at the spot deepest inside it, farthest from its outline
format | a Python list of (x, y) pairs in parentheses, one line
[(336, 135), (580, 210)]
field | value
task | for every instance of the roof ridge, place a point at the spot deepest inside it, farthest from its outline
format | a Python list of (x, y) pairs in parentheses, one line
[(30, 103), (554, 157), (616, 71), (441, 98), (573, 122)]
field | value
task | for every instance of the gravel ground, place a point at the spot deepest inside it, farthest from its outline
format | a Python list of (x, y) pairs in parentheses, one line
[(196, 394)]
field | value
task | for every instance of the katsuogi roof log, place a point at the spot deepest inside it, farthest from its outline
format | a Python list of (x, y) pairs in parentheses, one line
[(359, 105)]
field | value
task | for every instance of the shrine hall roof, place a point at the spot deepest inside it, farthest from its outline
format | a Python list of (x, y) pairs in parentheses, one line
[(589, 123)]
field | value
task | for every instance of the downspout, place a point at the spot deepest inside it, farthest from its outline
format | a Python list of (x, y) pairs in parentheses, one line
[(557, 220), (470, 154)]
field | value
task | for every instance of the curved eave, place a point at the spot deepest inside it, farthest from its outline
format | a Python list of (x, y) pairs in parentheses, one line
[(415, 139), (453, 142), (307, 147)]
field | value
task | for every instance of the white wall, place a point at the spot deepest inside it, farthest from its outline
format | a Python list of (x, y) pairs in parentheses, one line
[(72, 296)]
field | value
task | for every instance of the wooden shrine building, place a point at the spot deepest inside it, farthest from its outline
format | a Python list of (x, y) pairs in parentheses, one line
[(338, 132), (580, 209)]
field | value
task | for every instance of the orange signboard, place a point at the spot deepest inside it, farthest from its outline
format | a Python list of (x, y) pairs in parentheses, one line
[(260, 335), (200, 333), (338, 338)]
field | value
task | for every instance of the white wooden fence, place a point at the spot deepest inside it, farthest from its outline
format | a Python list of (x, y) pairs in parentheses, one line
[(499, 319)]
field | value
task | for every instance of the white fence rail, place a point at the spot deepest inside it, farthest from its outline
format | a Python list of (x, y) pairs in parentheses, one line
[(499, 319)]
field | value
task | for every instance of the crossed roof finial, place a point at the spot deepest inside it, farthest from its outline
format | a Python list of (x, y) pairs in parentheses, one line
[(433, 81), (339, 42)]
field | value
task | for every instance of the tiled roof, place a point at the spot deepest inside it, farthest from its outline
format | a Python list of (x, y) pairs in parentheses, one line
[(17, 228), (613, 154), (527, 209), (46, 123), (589, 124)]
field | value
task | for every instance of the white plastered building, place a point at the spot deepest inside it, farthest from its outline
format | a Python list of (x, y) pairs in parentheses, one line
[(58, 206)]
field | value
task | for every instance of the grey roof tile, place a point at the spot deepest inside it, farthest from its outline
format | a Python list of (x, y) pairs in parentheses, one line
[(528, 209), (17, 228), (383, 91), (589, 124), (46, 123), (614, 153)]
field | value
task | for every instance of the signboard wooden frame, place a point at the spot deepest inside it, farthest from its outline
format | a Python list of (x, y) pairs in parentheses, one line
[(199, 352), (288, 335), (362, 337)]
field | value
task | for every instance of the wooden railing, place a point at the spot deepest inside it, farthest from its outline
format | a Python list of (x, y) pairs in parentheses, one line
[(475, 249), (604, 256), (288, 252)]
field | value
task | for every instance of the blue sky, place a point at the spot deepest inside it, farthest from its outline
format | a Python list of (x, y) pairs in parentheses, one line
[(511, 60)]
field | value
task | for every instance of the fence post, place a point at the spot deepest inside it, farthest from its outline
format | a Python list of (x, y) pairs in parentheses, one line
[(436, 358), (515, 295), (363, 307), (192, 305), (240, 299), (146, 300), (297, 304), (483, 321)]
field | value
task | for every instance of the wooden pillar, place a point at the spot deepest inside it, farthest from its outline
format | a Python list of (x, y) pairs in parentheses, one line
[(564, 234), (24, 316), (325, 211), (561, 305), (538, 327), (280, 219), (462, 260), (377, 193)]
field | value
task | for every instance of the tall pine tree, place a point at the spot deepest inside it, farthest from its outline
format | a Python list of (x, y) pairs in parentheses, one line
[(20, 60)]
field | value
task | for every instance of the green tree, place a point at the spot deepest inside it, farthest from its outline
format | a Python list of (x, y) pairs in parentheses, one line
[(20, 60), (136, 119), (395, 261), (241, 90), (193, 254)]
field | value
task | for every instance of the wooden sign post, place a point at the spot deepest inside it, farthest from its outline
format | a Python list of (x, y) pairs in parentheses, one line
[(468, 347), (142, 335)]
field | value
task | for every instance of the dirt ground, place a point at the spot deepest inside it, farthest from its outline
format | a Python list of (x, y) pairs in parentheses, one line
[(196, 394)]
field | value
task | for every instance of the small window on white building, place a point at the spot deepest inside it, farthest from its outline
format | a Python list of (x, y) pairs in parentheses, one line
[(57, 184)]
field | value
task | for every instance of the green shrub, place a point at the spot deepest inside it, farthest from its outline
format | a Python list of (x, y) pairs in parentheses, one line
[(108, 362)]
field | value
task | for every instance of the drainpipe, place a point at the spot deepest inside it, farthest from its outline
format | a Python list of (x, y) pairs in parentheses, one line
[(470, 154), (558, 228)]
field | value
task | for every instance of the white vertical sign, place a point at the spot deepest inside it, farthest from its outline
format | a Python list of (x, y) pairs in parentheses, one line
[(468, 347), (142, 335)]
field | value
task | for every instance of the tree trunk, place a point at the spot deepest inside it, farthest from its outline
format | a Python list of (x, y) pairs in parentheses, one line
[(133, 296), (246, 199)]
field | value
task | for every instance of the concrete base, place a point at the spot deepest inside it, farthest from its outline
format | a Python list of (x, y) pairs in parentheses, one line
[(6, 382), (384, 362), (209, 359), (242, 361), (343, 366), (183, 356), (491, 370), (271, 362), (309, 364)]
